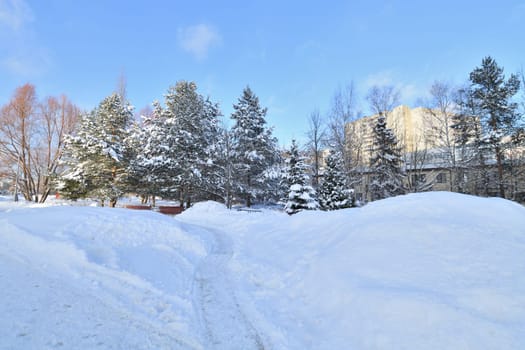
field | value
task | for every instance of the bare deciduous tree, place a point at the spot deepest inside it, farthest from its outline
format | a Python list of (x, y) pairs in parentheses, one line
[(342, 136), (58, 117), (342, 112), (31, 139), (440, 112), (16, 128), (416, 161), (315, 142), (382, 99)]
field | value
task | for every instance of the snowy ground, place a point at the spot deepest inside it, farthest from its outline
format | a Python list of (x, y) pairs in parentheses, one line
[(425, 271)]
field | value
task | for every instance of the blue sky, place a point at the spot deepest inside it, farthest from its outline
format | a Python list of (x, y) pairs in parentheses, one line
[(293, 54)]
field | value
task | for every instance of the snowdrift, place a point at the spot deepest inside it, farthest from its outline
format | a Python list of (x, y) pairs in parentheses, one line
[(84, 278), (422, 271)]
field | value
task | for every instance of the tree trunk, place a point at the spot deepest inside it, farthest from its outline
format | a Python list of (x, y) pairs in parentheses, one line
[(500, 172), (248, 195), (181, 196), (45, 195)]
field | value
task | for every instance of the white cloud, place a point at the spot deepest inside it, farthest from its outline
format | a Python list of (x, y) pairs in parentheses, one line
[(197, 40), (14, 14)]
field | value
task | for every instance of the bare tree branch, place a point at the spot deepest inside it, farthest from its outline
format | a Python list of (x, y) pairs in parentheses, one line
[(315, 142)]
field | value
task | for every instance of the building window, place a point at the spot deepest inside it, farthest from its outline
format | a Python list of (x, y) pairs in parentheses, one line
[(441, 178), (419, 178)]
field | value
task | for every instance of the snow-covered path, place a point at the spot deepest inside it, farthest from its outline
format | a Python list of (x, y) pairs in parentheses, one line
[(224, 324)]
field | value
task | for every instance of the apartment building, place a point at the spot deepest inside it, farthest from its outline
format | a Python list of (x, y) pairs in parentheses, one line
[(431, 159)]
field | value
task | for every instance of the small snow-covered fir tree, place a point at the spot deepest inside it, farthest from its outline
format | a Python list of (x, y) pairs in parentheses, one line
[(301, 196), (333, 192), (96, 155), (386, 163), (253, 148)]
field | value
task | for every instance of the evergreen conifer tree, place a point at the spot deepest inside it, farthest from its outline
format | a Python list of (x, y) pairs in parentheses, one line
[(253, 148), (96, 155), (333, 192), (386, 163), (146, 160), (301, 196), (492, 95), (179, 145), (472, 153), (189, 124)]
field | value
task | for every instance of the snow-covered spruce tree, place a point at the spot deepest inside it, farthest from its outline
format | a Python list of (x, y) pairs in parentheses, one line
[(492, 94), (224, 180), (253, 148), (211, 185), (333, 192), (145, 162), (386, 163), (178, 143), (271, 193), (274, 178), (153, 163), (301, 196), (95, 157), (194, 129)]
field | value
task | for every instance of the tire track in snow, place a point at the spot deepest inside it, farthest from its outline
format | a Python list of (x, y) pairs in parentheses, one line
[(224, 324)]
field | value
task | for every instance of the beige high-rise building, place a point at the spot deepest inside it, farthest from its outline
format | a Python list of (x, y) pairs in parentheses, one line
[(432, 160), (416, 129), (424, 137)]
